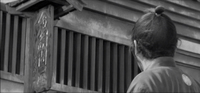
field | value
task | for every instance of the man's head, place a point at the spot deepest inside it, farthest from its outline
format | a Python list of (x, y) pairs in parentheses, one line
[(154, 35)]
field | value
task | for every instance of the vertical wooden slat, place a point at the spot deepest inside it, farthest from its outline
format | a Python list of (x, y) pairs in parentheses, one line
[(93, 61), (115, 69), (1, 43), (28, 55), (7, 39), (85, 62), (78, 59), (14, 48), (23, 40), (121, 68), (55, 43), (100, 65), (63, 47), (70, 58), (107, 70), (128, 67), (50, 48)]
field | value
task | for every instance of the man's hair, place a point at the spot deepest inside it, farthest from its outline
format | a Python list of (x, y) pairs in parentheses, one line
[(155, 34)]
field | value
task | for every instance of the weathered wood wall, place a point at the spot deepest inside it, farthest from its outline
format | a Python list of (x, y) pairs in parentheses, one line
[(113, 20), (102, 25), (12, 51)]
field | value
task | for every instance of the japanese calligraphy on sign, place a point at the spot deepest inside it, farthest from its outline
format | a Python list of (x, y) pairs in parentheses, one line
[(41, 38)]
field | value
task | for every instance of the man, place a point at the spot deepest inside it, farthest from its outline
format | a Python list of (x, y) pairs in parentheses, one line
[(154, 41)]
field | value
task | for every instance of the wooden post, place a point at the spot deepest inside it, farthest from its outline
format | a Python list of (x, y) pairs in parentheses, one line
[(39, 51)]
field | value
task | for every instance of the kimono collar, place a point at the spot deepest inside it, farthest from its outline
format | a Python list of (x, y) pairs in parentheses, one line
[(162, 61)]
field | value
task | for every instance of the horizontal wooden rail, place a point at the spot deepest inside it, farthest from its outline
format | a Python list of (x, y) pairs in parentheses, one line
[(65, 88), (11, 77)]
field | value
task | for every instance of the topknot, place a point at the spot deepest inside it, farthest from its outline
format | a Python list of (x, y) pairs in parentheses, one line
[(159, 10)]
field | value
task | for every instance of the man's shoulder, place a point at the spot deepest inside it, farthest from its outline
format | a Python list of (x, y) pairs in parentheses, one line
[(145, 75), (140, 82), (157, 73), (146, 81)]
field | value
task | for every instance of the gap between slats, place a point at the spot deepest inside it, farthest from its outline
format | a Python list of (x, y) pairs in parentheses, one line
[(7, 43), (23, 40)]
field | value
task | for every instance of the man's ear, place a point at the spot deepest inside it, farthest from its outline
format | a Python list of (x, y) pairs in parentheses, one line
[(135, 47)]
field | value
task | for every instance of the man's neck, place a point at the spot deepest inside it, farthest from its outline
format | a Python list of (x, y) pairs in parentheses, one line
[(160, 61)]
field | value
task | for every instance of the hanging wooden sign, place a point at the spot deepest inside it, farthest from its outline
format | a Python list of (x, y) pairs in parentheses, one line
[(43, 27)]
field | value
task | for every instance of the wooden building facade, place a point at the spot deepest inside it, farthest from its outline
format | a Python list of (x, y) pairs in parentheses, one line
[(83, 45)]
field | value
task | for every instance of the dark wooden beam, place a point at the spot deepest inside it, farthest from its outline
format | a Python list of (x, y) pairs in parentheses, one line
[(13, 11), (65, 10), (61, 2), (28, 4)]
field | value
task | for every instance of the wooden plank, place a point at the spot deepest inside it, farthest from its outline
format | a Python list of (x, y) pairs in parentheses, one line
[(100, 65), (70, 58), (145, 4), (174, 8), (188, 53), (63, 48), (10, 10), (8, 86), (120, 27), (187, 45), (187, 31), (93, 63), (186, 3), (107, 58), (78, 59), (85, 62), (7, 39), (109, 8), (2, 6), (23, 42), (70, 89), (55, 52), (121, 68), (187, 59), (133, 15), (12, 77), (1, 41), (128, 68), (51, 45), (137, 12), (28, 56), (115, 68), (14, 47)]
